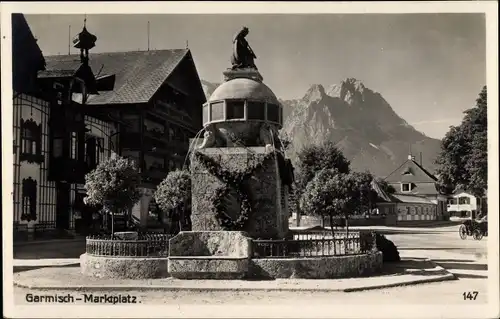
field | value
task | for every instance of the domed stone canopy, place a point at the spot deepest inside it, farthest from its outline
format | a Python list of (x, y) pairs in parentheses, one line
[(243, 100), (244, 89)]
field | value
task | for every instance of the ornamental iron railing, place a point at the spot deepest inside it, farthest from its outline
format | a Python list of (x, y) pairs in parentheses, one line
[(316, 245), (301, 246), (146, 245)]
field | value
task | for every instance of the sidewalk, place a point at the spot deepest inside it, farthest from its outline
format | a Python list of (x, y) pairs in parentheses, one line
[(438, 228), (48, 241), (47, 262), (408, 272)]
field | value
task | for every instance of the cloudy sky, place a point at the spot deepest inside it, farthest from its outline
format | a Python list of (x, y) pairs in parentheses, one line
[(429, 67)]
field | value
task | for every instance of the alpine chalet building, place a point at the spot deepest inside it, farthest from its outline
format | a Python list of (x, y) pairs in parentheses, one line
[(71, 112)]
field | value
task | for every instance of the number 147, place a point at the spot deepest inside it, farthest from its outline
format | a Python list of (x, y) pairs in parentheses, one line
[(470, 295)]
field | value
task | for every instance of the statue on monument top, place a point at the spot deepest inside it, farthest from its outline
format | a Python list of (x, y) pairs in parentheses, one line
[(243, 55)]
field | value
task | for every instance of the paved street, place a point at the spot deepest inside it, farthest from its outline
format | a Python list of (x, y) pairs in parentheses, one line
[(464, 258), (442, 240)]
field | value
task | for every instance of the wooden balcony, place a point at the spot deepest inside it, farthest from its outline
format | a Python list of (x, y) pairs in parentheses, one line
[(68, 170), (156, 135)]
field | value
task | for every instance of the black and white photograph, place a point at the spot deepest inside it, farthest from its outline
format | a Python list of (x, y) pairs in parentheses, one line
[(245, 159)]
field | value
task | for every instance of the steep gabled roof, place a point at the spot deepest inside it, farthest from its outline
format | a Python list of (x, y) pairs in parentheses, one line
[(382, 195), (461, 190), (423, 182), (139, 74), (27, 58), (410, 172)]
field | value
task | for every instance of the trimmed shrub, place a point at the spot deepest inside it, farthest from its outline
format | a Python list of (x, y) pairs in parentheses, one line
[(366, 241), (389, 250), (173, 197)]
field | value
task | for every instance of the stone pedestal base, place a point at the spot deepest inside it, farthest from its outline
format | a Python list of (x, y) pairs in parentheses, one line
[(141, 209), (253, 74), (267, 219)]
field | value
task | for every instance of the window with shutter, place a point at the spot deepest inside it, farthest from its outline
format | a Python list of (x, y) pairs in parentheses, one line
[(31, 137)]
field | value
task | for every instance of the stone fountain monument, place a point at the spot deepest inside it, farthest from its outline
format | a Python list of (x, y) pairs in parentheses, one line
[(240, 176)]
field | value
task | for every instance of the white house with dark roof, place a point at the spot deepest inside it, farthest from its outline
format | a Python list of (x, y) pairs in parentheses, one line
[(417, 193), (73, 111), (402, 208), (464, 204)]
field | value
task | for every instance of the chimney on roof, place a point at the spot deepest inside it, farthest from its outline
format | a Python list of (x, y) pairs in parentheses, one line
[(410, 157), (69, 40), (421, 159)]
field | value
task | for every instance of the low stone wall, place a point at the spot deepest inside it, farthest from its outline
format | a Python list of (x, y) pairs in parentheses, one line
[(124, 267), (316, 267), (208, 267)]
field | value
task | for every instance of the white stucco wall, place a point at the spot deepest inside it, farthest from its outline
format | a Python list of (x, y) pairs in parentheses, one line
[(463, 207), (27, 107), (416, 211)]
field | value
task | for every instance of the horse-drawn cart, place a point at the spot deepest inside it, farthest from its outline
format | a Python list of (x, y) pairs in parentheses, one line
[(475, 228)]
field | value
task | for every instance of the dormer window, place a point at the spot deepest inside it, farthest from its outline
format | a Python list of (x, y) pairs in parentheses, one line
[(408, 171), (31, 142), (406, 187)]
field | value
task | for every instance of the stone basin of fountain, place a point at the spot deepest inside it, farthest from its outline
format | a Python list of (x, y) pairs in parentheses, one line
[(209, 255)]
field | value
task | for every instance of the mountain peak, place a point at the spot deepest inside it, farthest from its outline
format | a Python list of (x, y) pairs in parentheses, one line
[(315, 93), (354, 82), (208, 88), (349, 90), (362, 124)]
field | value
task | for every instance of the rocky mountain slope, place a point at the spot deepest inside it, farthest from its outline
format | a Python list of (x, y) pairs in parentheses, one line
[(208, 87), (360, 121)]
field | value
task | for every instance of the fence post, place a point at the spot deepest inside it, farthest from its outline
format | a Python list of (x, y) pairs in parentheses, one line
[(374, 241)]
